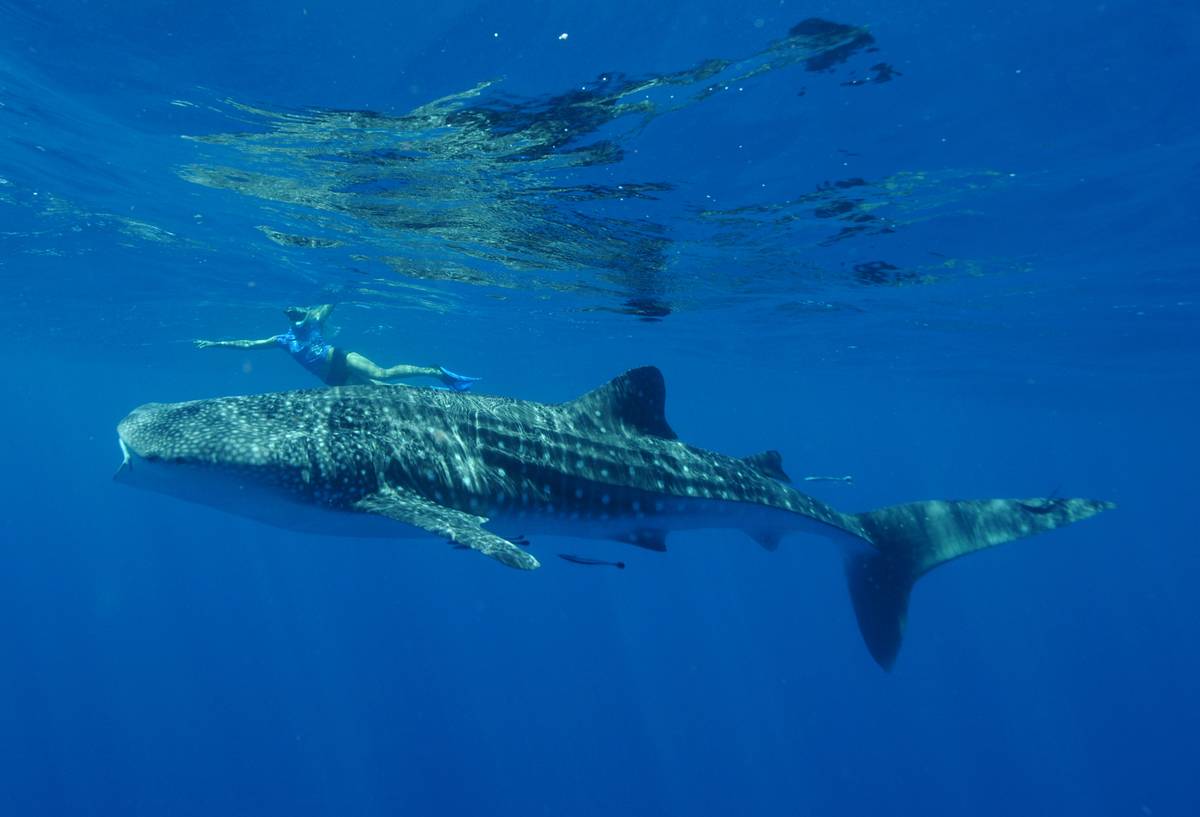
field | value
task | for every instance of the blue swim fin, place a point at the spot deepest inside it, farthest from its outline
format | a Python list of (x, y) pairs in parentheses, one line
[(457, 382)]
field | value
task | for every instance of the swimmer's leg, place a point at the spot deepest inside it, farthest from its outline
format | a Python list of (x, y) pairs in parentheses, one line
[(363, 369)]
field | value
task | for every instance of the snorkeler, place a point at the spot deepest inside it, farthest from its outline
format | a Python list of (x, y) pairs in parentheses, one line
[(336, 367)]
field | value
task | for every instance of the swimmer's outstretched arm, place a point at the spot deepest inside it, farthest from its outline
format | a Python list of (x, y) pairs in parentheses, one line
[(268, 343)]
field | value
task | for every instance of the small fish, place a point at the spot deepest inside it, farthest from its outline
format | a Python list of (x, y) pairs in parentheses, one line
[(583, 560), (848, 479), (516, 540)]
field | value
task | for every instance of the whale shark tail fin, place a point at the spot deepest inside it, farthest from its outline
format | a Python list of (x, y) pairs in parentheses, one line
[(910, 540)]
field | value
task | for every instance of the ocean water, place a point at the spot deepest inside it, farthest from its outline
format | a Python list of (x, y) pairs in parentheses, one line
[(949, 249)]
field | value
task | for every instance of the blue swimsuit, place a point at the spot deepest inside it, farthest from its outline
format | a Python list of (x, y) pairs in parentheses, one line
[(312, 351)]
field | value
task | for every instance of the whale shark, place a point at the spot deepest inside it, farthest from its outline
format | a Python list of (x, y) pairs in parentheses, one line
[(379, 460)]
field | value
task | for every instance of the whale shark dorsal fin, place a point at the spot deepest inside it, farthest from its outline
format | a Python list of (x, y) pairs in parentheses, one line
[(636, 400), (459, 527), (769, 463)]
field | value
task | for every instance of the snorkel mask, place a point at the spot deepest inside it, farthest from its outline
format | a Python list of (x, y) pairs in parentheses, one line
[(297, 314)]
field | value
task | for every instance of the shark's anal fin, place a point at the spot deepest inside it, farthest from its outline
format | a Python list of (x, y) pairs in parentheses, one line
[(648, 538), (460, 528), (769, 539), (769, 463)]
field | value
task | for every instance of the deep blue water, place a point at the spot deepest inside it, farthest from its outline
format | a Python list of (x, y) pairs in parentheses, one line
[(959, 260)]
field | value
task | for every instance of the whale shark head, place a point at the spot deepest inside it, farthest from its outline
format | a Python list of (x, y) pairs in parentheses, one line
[(201, 450)]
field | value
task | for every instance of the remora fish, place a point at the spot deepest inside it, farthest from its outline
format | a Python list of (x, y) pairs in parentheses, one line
[(358, 460)]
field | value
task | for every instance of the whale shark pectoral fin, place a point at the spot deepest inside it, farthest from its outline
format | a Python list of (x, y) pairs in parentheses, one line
[(460, 528)]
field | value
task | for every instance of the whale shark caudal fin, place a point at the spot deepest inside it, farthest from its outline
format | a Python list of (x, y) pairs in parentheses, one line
[(910, 540), (460, 528), (635, 400)]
